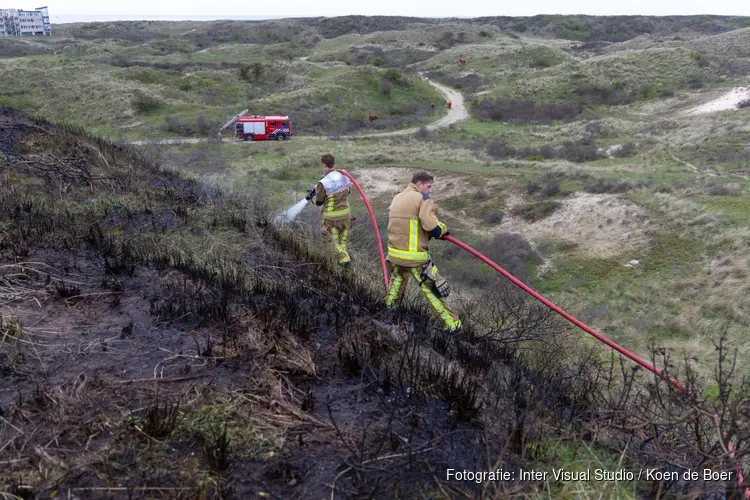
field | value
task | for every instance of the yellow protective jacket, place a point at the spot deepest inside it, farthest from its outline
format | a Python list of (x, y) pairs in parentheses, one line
[(335, 206), (411, 223)]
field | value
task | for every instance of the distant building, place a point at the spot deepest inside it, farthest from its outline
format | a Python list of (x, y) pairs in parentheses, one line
[(18, 22)]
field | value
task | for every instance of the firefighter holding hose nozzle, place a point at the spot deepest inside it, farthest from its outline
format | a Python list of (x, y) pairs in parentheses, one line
[(411, 224), (332, 193)]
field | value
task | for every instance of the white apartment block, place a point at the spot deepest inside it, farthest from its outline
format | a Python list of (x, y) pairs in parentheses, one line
[(18, 22)]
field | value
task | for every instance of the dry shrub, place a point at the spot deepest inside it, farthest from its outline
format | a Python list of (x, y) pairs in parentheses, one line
[(144, 103), (580, 151), (523, 111), (533, 212), (624, 150), (494, 217), (718, 188), (612, 186)]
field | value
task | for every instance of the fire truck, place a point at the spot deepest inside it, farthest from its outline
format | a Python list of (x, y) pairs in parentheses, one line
[(262, 128)]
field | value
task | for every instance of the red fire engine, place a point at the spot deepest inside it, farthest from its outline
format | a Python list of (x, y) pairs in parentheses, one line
[(262, 128)]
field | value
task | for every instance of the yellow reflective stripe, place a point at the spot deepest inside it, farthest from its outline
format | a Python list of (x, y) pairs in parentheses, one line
[(436, 303), (395, 288), (336, 213), (442, 227), (335, 238), (339, 244), (406, 255), (342, 246), (413, 234), (329, 206)]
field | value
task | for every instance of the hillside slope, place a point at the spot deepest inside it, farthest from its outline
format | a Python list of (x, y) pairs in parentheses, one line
[(160, 337)]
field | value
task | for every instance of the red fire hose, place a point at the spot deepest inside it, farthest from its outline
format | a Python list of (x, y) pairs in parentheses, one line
[(580, 324), (374, 225), (583, 326)]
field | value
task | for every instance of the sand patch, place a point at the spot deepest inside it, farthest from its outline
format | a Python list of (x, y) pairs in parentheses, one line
[(602, 225), (393, 180), (381, 182), (730, 100)]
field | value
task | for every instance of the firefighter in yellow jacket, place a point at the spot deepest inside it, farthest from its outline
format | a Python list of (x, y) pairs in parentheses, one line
[(411, 223), (332, 193)]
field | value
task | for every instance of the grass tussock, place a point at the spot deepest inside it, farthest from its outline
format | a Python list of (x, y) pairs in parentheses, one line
[(534, 212)]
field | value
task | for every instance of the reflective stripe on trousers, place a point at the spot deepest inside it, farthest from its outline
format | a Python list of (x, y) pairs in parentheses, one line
[(398, 288), (337, 237), (393, 293)]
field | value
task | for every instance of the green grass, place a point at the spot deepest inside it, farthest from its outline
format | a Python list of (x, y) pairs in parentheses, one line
[(648, 73), (474, 129), (579, 457), (245, 439), (736, 209), (639, 304)]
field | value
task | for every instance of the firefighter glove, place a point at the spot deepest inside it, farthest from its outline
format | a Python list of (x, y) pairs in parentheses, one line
[(437, 284), (428, 273), (441, 289)]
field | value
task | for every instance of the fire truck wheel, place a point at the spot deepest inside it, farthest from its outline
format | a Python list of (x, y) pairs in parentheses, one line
[(281, 137), (249, 138)]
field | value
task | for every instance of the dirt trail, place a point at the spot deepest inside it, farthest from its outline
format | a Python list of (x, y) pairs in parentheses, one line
[(455, 114), (176, 140)]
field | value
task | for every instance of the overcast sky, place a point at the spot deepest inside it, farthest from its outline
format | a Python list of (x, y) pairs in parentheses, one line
[(80, 10)]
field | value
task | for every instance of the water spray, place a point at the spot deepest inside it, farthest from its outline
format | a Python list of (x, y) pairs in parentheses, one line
[(292, 212)]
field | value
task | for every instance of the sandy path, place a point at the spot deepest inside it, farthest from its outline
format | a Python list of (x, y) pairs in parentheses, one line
[(455, 114), (175, 140)]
